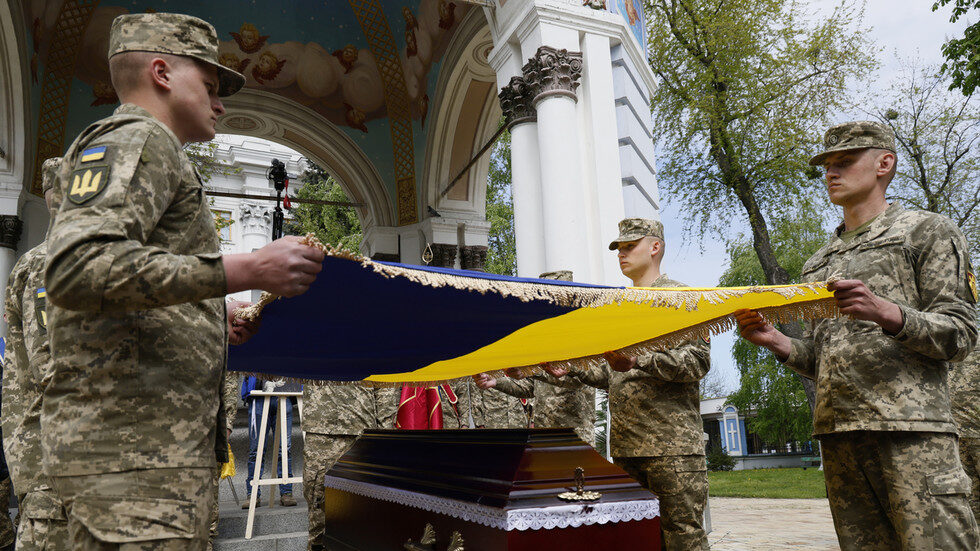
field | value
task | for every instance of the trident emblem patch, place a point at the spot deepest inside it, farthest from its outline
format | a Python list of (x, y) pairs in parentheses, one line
[(86, 183)]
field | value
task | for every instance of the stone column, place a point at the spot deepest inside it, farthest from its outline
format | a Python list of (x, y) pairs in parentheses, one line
[(256, 226), (515, 100), (473, 257), (10, 229), (443, 255), (553, 76)]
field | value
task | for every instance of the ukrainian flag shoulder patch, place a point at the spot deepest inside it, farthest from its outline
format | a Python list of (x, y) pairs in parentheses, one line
[(93, 154)]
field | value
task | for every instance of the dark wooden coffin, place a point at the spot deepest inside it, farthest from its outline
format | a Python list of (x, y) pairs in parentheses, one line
[(484, 489)]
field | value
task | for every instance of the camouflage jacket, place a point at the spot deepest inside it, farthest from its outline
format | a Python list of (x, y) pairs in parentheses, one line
[(867, 379), (455, 416), (495, 410), (27, 370), (347, 409), (136, 315), (656, 406), (964, 394), (564, 402)]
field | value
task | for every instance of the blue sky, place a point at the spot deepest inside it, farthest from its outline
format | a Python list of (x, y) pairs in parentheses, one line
[(903, 29)]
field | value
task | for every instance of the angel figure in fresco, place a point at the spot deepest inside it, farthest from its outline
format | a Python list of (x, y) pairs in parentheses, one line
[(233, 62), (248, 38), (447, 14), (631, 12), (267, 67), (104, 94), (355, 117), (347, 57)]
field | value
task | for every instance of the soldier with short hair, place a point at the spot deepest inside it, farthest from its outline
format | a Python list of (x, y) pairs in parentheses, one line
[(27, 370), (138, 325), (655, 404), (906, 291)]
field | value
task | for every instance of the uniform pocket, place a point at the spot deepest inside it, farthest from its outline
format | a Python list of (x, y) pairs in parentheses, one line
[(121, 519), (953, 525), (42, 505)]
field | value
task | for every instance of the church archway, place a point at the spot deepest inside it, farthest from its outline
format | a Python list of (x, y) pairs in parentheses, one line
[(264, 115)]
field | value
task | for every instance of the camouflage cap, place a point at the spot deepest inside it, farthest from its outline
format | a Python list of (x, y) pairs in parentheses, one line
[(49, 173), (632, 229), (560, 275), (855, 135), (176, 34)]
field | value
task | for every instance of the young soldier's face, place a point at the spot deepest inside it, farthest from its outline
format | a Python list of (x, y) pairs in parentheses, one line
[(852, 176), (636, 257), (195, 101)]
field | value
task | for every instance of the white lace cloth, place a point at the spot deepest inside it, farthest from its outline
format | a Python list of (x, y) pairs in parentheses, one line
[(560, 516)]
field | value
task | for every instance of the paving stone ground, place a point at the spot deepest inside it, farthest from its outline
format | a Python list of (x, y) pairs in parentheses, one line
[(771, 524)]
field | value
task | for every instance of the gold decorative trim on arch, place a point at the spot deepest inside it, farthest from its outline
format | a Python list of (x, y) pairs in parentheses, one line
[(382, 44), (59, 70)]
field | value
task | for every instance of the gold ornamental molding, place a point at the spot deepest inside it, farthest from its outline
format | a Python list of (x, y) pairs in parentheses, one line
[(59, 69), (382, 43)]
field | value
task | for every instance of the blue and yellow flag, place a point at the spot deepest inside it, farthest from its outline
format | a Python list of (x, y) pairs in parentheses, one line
[(385, 323)]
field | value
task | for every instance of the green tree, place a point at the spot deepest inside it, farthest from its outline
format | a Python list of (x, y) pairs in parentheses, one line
[(962, 54), (937, 133), (746, 89), (331, 224), (502, 245), (773, 393)]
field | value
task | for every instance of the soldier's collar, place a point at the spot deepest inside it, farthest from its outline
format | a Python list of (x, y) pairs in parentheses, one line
[(881, 223), (136, 111)]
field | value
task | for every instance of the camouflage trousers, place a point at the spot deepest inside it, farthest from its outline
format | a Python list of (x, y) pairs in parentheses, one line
[(213, 514), (43, 524), (898, 490), (320, 452), (139, 510), (970, 458), (7, 534), (681, 484)]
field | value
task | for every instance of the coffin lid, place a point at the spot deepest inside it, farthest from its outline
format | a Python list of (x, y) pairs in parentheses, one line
[(504, 468)]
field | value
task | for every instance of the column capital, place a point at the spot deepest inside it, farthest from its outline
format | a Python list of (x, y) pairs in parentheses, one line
[(10, 229), (516, 100), (256, 218), (473, 257), (553, 72), (443, 255)]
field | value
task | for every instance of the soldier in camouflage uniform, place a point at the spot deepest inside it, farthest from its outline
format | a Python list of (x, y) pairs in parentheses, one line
[(333, 417), (904, 284), (964, 390), (495, 410), (654, 402), (135, 283), (564, 402), (27, 370)]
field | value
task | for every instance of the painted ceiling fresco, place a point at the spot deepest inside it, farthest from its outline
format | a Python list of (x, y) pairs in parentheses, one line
[(368, 66)]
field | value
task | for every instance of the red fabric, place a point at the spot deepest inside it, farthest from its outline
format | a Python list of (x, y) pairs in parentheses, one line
[(285, 196), (419, 408)]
